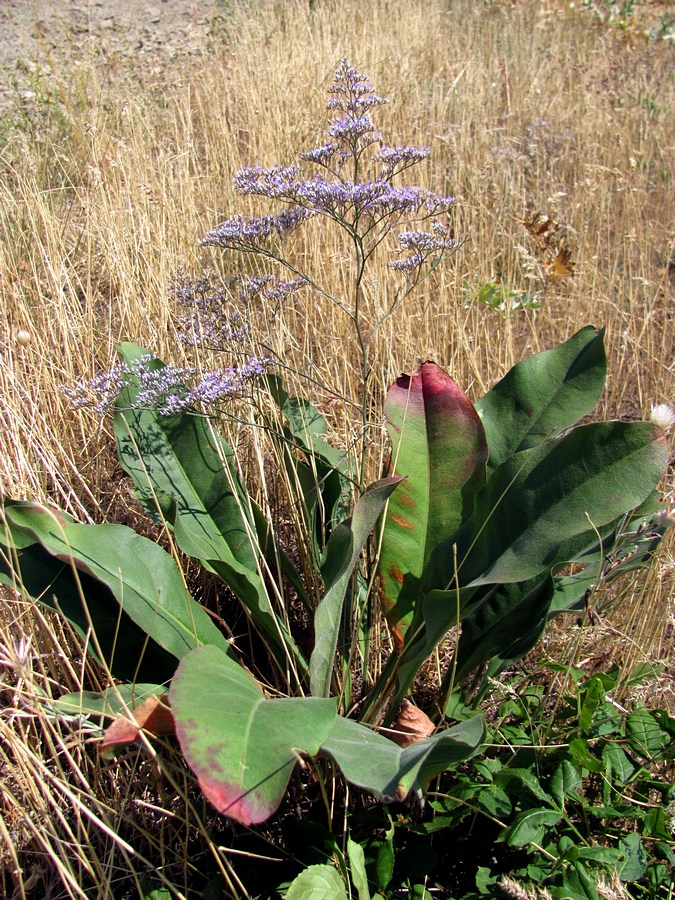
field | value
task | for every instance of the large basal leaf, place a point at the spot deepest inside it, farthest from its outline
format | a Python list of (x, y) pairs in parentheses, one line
[(117, 642), (504, 627), (439, 443), (544, 394), (142, 576), (182, 463), (108, 704), (342, 556), (242, 746), (318, 471), (532, 510), (542, 498), (380, 766)]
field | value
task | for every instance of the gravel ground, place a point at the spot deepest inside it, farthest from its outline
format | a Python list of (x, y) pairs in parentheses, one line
[(33, 30)]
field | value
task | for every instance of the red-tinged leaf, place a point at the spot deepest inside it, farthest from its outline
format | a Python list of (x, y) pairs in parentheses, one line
[(153, 716), (410, 726), (438, 441), (242, 746)]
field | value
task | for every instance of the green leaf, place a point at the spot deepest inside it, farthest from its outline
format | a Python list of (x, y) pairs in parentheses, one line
[(181, 463), (342, 556), (530, 826), (439, 443), (565, 783), (593, 698), (242, 746), (317, 883), (544, 394), (158, 894), (606, 856), (504, 627), (319, 471), (108, 704), (495, 802), (141, 576), (633, 865), (644, 731), (373, 762), (525, 780), (580, 753), (89, 605), (579, 884), (541, 498), (357, 865), (570, 590), (380, 860), (486, 881), (531, 507)]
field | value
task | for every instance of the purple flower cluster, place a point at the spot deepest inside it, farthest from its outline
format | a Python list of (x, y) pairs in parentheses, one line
[(352, 203), (166, 389), (251, 235), (375, 199), (423, 244), (396, 159), (221, 308), (352, 100), (366, 204), (98, 394)]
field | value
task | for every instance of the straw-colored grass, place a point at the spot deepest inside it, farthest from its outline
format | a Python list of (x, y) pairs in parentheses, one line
[(111, 175)]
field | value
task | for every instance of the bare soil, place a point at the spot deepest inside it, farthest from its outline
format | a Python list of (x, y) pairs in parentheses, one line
[(34, 32)]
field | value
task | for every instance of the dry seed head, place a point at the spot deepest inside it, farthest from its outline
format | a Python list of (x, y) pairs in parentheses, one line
[(662, 416)]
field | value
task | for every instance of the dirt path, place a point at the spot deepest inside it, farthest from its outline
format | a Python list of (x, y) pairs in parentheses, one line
[(149, 29)]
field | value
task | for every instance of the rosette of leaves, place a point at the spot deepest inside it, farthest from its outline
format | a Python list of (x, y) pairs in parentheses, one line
[(486, 505)]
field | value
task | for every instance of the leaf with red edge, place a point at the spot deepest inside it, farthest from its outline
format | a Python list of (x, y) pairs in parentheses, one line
[(242, 746), (153, 716), (438, 441)]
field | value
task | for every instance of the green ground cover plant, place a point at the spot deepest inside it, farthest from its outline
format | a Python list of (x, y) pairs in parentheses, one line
[(494, 517)]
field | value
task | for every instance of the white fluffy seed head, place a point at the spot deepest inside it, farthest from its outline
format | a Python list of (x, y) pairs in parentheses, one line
[(662, 416)]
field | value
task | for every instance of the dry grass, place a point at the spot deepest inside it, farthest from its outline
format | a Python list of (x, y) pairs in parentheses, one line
[(111, 177)]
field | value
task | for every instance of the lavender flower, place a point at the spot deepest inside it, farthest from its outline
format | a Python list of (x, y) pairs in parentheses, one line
[(351, 129), (98, 394), (266, 182), (396, 159), (353, 92), (323, 155), (355, 205), (222, 307), (377, 198), (422, 245), (164, 388), (251, 234)]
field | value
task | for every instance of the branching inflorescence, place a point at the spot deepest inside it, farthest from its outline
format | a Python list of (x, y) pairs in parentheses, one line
[(353, 188), (361, 205)]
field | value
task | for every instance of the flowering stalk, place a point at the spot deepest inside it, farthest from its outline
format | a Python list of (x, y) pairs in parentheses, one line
[(354, 189), (352, 186)]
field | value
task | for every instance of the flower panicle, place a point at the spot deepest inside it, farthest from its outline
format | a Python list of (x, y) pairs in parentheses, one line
[(166, 389), (376, 198), (352, 99), (396, 159), (251, 234), (423, 244)]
